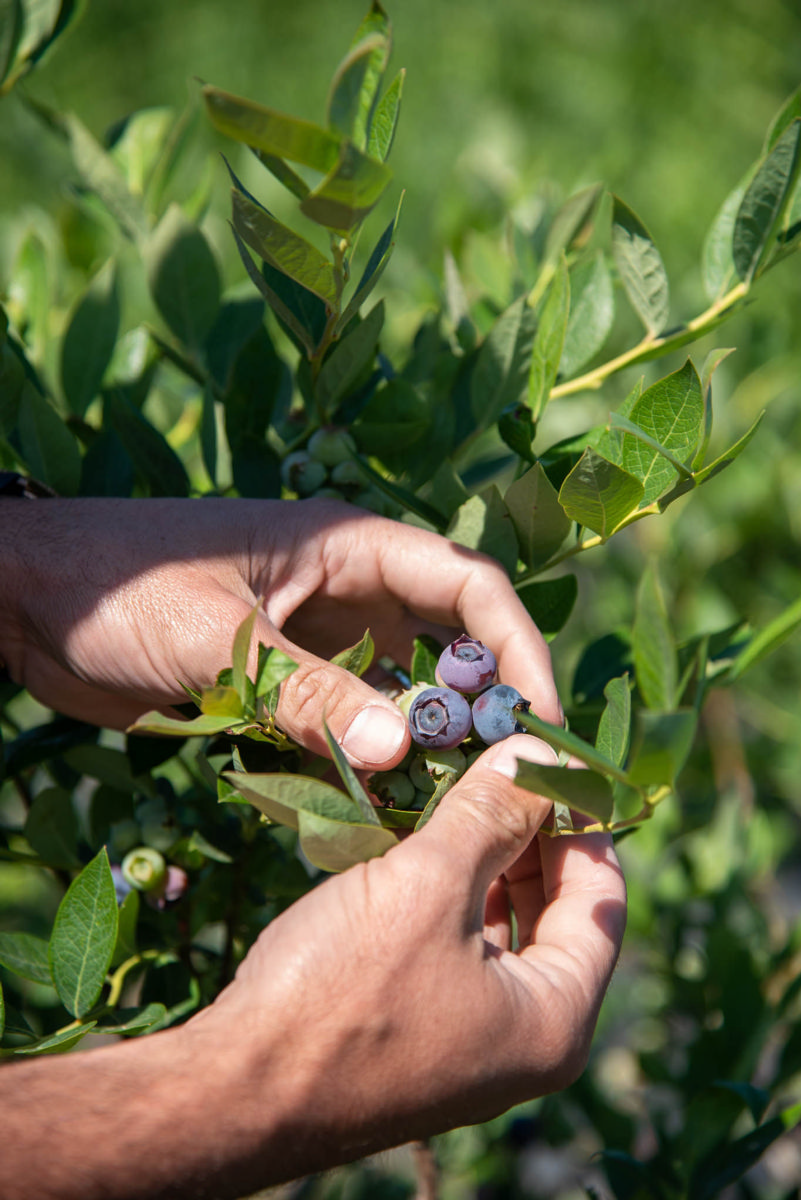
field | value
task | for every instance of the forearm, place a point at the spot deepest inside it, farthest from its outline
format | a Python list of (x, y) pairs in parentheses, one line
[(169, 1115)]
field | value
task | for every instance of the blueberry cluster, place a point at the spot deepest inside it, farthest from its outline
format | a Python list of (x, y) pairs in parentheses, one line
[(326, 468), (450, 724)]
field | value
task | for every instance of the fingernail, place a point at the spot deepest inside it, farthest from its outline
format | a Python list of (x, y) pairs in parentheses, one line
[(506, 753), (374, 735)]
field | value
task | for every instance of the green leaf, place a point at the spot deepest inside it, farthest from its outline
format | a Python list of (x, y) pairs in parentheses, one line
[(26, 955), (764, 202), (789, 112), (350, 779), (135, 1020), (583, 791), (729, 1162), (152, 456), (11, 20), (549, 340), (711, 364), (51, 827), (540, 522), (728, 457), (224, 701), (717, 263), (2, 1013), (484, 523), (83, 937), (599, 494), (275, 132), (393, 419), (272, 669), (375, 23), (49, 449), (349, 191), (283, 248), (592, 313), (240, 651), (385, 119), (65, 1039), (549, 602), (208, 433), (183, 277), (671, 413), (355, 86), (614, 727), (333, 846), (90, 339), (766, 640), (284, 310), (349, 359), (517, 428), (426, 653), (356, 659), (570, 743), (500, 375), (401, 496), (128, 916), (655, 661), (641, 268), (571, 221), (101, 175), (283, 173), (282, 797), (202, 726), (376, 264)]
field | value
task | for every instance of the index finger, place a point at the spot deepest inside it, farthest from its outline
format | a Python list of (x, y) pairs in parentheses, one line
[(449, 584)]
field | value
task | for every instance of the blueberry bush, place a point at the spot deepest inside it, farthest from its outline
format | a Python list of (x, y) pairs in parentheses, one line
[(128, 368)]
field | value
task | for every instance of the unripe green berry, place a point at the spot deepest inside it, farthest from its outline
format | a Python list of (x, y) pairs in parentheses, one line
[(302, 474), (392, 788), (429, 768), (331, 446), (145, 869), (347, 474)]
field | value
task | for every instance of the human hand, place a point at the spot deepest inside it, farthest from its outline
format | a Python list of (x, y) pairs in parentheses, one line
[(108, 604), (388, 1004)]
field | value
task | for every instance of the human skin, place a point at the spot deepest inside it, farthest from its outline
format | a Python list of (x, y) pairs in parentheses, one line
[(106, 604), (389, 1003)]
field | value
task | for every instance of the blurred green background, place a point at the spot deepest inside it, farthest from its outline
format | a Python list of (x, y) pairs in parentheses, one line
[(667, 103)]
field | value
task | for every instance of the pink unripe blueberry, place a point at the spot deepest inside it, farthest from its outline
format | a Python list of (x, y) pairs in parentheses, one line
[(466, 665)]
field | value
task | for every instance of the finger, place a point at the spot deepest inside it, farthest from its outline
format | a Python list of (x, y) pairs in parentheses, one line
[(369, 727), (484, 823), (444, 581), (445, 584), (582, 924)]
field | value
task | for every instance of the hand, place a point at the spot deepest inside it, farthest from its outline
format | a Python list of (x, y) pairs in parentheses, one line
[(388, 1004), (107, 604)]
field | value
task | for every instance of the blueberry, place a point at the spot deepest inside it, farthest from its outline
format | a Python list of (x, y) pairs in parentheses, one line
[(392, 788), (145, 869), (494, 717), (331, 446), (439, 718), (175, 883), (466, 665), (302, 474)]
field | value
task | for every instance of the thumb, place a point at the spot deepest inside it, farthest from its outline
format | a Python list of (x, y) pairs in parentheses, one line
[(369, 727), (485, 821)]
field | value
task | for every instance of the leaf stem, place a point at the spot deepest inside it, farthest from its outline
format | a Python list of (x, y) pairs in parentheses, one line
[(646, 348)]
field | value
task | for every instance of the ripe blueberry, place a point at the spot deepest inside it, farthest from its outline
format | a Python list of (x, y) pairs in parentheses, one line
[(439, 718), (466, 665), (494, 717)]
